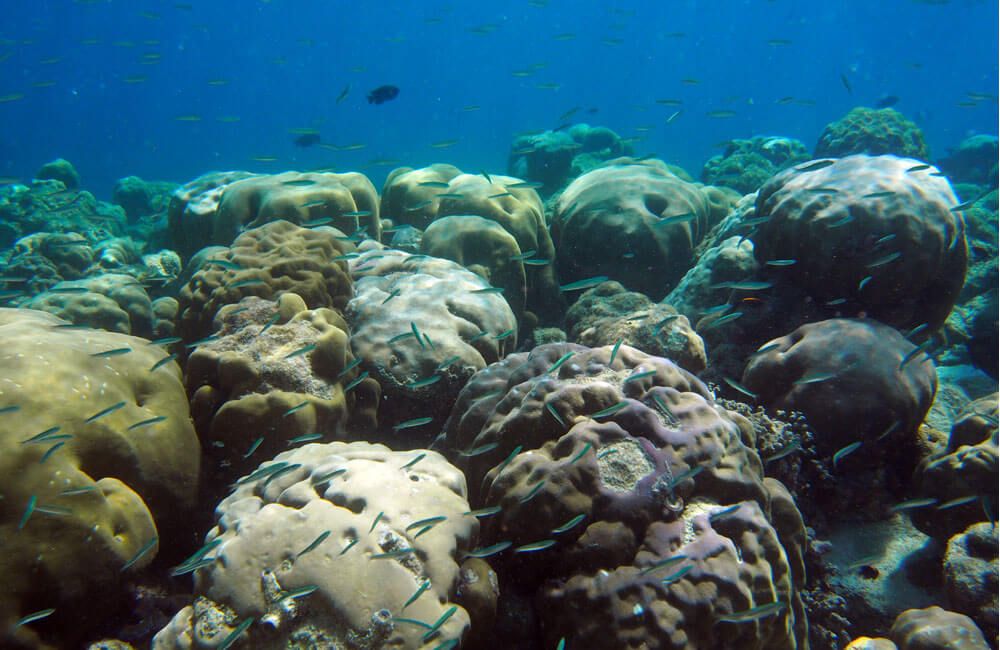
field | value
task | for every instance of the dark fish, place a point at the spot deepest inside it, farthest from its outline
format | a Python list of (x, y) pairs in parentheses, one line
[(383, 94), (886, 101), (847, 84), (343, 93), (307, 139)]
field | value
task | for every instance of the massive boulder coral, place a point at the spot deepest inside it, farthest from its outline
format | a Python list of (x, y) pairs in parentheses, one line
[(745, 165), (48, 206), (874, 233), (100, 460), (608, 313), (112, 301), (418, 197), (554, 158), (275, 258), (422, 326), (621, 498), (335, 545), (874, 132), (856, 380), (970, 574), (634, 222), (276, 372), (935, 628), (965, 470), (214, 209), (973, 161)]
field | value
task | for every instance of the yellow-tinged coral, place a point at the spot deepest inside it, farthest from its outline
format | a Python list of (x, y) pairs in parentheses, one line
[(93, 472)]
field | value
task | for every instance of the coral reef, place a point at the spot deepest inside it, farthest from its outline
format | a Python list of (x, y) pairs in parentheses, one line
[(745, 165), (973, 161), (102, 460), (874, 132), (318, 548), (60, 170), (554, 158)]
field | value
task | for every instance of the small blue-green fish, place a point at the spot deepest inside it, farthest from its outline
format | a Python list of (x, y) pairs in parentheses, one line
[(488, 290), (389, 555), (662, 564), (224, 263), (69, 290), (534, 491), (725, 512), (55, 511), (753, 614), (843, 221), (479, 336), (299, 182), (416, 334), (345, 258), (525, 185), (424, 586), (375, 521), (306, 437), (282, 472), (207, 339), (849, 449), (489, 550), (416, 459), (51, 450), (885, 239), (305, 349), (411, 621), (429, 521), (482, 449), (837, 301), (356, 382), (236, 633), (583, 452), (349, 546), (767, 348), (864, 281), (422, 531), (689, 473), (562, 644), (312, 545), (569, 525), (100, 414), (537, 262), (87, 489), (785, 450), (611, 410), (523, 256), (419, 205), (964, 206), (9, 409), (437, 184), (438, 623), (488, 178), (912, 504), (297, 407), (349, 367), (882, 261), (112, 353), (735, 385), (31, 618), (781, 262), (450, 195), (170, 340), (316, 223), (422, 383), (447, 362), (162, 362), (892, 427), (917, 168), (823, 190), (264, 471), (504, 335), (815, 166), (717, 309), (253, 447), (482, 513), (146, 548), (145, 423), (329, 476), (606, 453), (960, 501), (639, 375), (878, 195), (510, 457), (410, 424), (584, 284), (357, 214), (916, 330), (675, 219), (614, 351), (30, 508), (814, 378), (536, 546), (499, 196), (722, 320), (44, 436), (301, 592), (677, 575), (392, 294), (555, 414), (197, 560), (249, 282), (743, 286), (915, 352)]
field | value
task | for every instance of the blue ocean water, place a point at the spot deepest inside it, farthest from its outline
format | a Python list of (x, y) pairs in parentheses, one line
[(104, 81)]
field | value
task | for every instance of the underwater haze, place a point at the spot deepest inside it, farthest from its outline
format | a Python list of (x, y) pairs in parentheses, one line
[(534, 325)]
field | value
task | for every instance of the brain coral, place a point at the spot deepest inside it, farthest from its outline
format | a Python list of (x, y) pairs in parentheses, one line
[(628, 504), (422, 331), (214, 209), (99, 458), (849, 378), (275, 258), (276, 372), (367, 538), (418, 197), (867, 231), (872, 131), (636, 223)]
